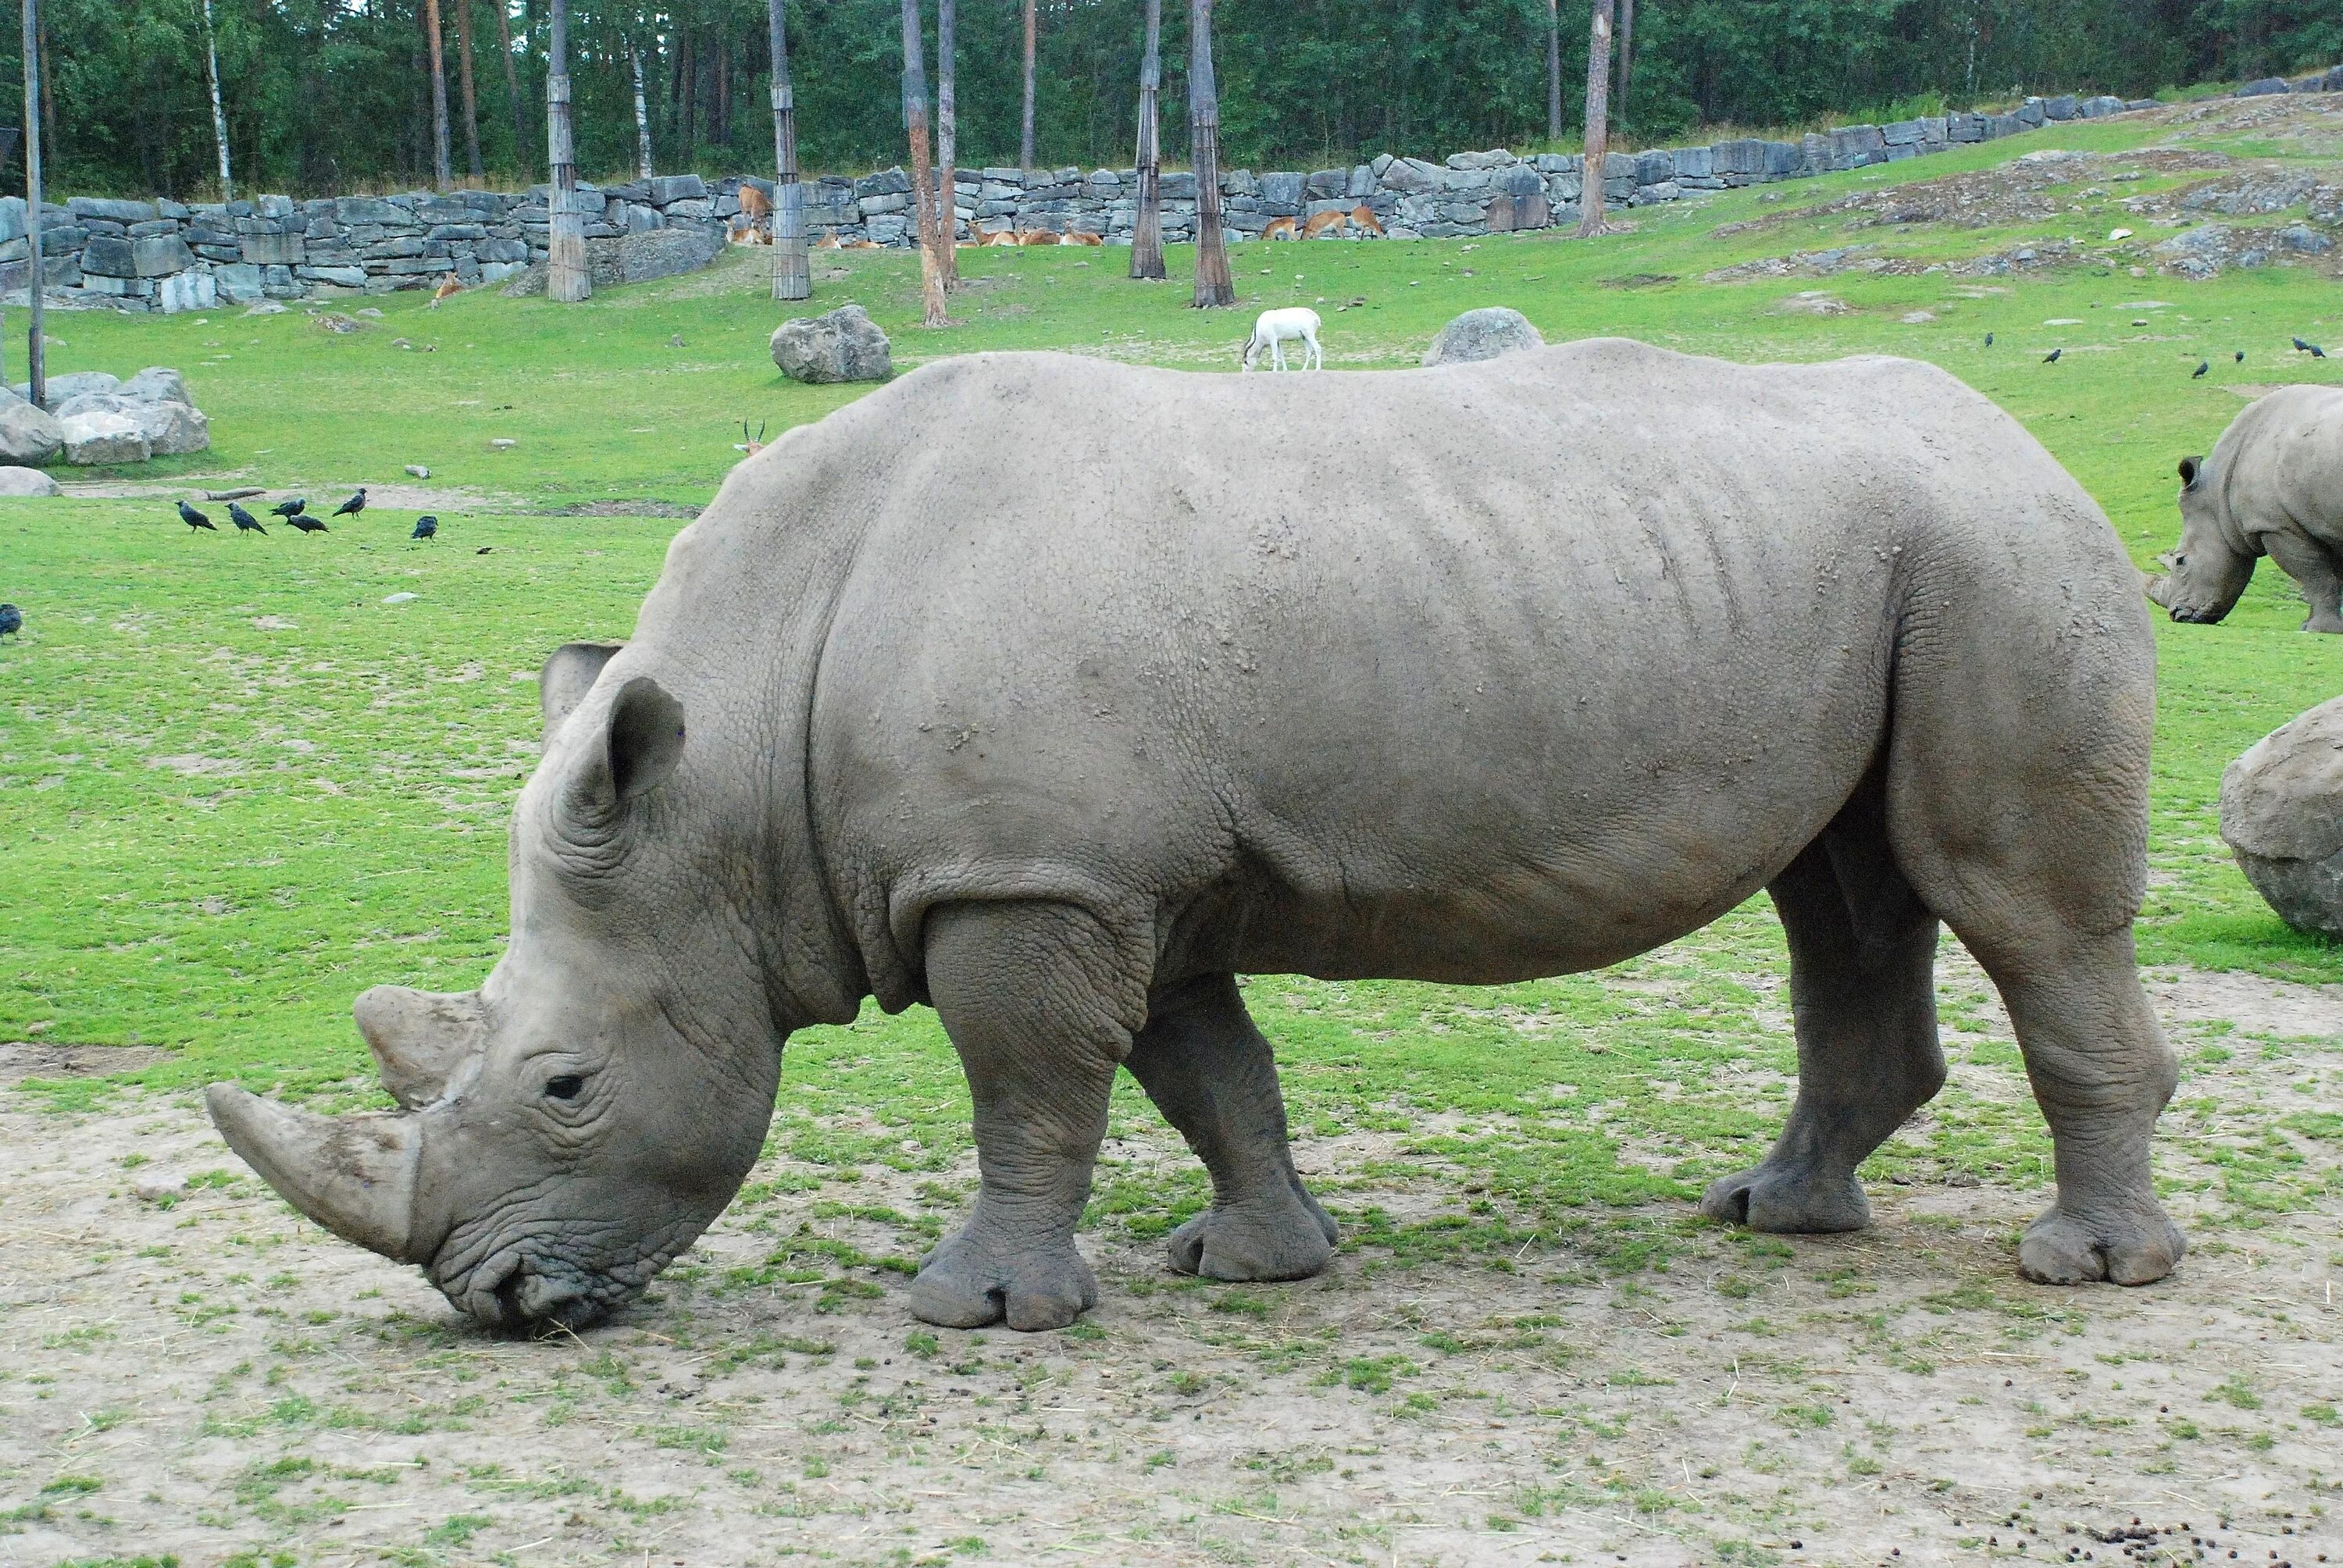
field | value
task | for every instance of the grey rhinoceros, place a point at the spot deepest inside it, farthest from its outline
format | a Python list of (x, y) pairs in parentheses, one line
[(2273, 487), (1472, 674)]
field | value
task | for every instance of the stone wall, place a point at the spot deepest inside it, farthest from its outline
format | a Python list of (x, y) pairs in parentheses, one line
[(169, 256)]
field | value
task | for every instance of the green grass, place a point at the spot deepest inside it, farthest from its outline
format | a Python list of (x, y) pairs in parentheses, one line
[(236, 788)]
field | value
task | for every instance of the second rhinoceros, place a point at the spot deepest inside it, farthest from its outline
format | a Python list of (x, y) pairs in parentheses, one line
[(2273, 486), (1469, 674)]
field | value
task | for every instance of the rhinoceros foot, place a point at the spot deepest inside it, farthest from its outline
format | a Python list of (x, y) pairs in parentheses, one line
[(1788, 1197), (2128, 1246), (1291, 1240), (978, 1278)]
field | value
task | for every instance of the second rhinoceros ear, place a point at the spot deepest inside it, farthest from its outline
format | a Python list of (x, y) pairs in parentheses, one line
[(568, 675), (2189, 468)]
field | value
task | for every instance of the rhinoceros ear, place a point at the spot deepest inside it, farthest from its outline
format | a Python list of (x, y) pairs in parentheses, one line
[(2189, 468), (641, 741), (568, 675)]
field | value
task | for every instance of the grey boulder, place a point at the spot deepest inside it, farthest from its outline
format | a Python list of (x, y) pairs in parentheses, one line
[(28, 435), (1482, 335), (63, 388), (25, 482), (156, 384), (172, 429), (844, 346), (2282, 815), (103, 438)]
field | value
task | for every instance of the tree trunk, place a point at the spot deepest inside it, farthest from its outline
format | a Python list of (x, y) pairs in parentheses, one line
[(642, 115), (1214, 287), (440, 173), (1626, 57), (1025, 131), (686, 86), (1553, 70), (512, 86), (792, 278), (48, 93), (723, 137), (1147, 227), (1598, 118), (471, 95), (567, 279), (923, 190), (947, 145), (36, 356), (219, 119)]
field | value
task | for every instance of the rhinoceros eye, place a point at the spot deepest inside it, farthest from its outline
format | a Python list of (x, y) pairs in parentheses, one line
[(565, 1087)]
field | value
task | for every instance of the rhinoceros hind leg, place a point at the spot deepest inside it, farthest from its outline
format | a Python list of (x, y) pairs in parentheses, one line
[(1211, 1073), (1033, 997), (1862, 985)]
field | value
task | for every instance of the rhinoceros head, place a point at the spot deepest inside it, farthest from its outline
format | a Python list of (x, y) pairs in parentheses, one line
[(566, 1130), (2213, 563)]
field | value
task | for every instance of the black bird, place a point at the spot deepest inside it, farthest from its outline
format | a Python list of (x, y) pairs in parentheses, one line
[(1989, 340), (2052, 357), (307, 525), (12, 622), (426, 528), (2300, 344), (354, 506), (292, 509), (2241, 357), (2202, 366), (246, 523), (193, 518), (2316, 352)]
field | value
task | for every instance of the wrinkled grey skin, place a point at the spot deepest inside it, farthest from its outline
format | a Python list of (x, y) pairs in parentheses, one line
[(2273, 487), (1502, 677)]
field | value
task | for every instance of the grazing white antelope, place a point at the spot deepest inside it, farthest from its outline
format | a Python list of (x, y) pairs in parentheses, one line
[(752, 445), (1278, 327)]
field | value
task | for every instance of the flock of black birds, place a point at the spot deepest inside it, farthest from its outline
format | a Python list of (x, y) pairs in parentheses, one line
[(2202, 366), (296, 512)]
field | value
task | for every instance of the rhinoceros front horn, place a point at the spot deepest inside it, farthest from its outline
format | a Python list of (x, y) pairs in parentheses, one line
[(354, 1175)]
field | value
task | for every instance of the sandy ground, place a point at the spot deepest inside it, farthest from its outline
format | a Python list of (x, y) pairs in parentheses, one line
[(190, 1369)]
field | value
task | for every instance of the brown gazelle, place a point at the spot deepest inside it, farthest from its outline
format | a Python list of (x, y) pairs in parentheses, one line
[(1278, 228)]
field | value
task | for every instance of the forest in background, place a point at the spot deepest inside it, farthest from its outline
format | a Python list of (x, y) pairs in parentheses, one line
[(325, 95)]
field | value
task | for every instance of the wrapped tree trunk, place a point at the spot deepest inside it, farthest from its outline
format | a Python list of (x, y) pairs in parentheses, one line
[(1025, 132), (440, 173), (923, 191), (1598, 118), (947, 146), (1214, 287), (643, 117), (567, 279), (35, 355), (792, 279), (1553, 70), (512, 87), (1147, 225), (471, 97), (219, 117)]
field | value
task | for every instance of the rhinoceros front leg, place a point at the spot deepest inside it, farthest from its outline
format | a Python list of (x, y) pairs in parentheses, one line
[(1862, 970), (1213, 1075), (1033, 997), (2319, 574)]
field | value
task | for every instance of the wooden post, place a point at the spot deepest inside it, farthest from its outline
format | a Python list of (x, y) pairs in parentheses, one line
[(947, 146), (36, 357), (440, 173), (512, 86), (1147, 227), (1213, 285), (923, 192), (471, 95), (792, 279), (566, 278), (211, 70), (1025, 133), (1598, 119)]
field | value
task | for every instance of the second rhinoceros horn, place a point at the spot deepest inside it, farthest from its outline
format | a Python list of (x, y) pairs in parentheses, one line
[(354, 1175), (421, 1038)]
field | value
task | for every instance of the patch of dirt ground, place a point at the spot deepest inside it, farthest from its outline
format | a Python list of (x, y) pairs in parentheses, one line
[(192, 1370)]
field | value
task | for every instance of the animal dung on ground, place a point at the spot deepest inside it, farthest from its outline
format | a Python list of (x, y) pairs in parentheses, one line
[(418, 470), (398, 598)]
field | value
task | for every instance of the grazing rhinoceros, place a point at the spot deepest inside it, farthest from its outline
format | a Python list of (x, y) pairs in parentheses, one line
[(2273, 487), (1473, 675)]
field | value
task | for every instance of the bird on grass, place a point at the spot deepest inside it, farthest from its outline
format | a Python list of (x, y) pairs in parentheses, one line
[(2312, 350), (246, 523), (307, 524), (2202, 366), (12, 622), (1989, 340), (292, 509), (2052, 357), (2241, 357), (193, 518), (354, 506), (426, 528)]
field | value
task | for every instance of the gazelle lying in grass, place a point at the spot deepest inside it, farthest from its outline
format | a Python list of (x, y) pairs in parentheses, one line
[(1361, 217), (1275, 328)]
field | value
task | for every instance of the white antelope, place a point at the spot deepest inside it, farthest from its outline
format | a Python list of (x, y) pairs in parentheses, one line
[(1278, 327)]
